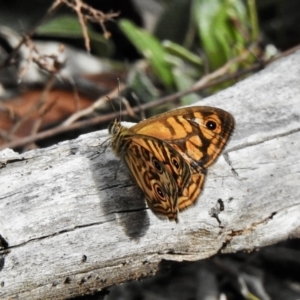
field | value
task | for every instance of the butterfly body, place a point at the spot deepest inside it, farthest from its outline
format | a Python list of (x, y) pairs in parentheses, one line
[(168, 154)]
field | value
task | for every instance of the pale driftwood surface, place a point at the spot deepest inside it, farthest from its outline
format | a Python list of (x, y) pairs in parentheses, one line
[(68, 227)]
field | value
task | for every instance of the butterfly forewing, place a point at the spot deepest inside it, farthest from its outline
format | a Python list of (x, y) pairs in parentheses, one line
[(198, 133)]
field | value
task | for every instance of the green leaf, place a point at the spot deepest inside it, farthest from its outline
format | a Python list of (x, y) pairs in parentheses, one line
[(63, 26), (183, 53), (222, 27), (205, 15), (151, 49), (69, 27)]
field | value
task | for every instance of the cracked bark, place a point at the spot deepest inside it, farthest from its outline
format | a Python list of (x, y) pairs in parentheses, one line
[(68, 227)]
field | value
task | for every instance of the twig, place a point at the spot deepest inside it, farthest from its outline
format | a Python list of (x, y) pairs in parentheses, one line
[(91, 109), (221, 71), (87, 13)]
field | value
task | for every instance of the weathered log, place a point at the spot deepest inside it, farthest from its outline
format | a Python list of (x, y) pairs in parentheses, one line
[(69, 226)]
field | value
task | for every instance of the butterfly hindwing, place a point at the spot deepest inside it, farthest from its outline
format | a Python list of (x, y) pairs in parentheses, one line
[(159, 170), (157, 183)]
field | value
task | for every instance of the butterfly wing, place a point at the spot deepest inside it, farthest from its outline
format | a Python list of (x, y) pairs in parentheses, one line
[(199, 134), (173, 161), (192, 191), (157, 183), (159, 170)]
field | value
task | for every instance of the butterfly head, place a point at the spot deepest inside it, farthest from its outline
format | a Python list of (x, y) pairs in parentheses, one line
[(114, 127), (117, 132)]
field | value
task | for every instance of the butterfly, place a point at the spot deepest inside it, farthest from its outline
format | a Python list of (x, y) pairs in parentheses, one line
[(168, 154)]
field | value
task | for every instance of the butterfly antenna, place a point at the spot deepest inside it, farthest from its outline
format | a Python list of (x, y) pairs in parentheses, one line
[(119, 96), (138, 102), (111, 102)]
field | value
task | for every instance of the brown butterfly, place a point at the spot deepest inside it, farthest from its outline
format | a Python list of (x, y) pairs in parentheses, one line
[(168, 154)]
